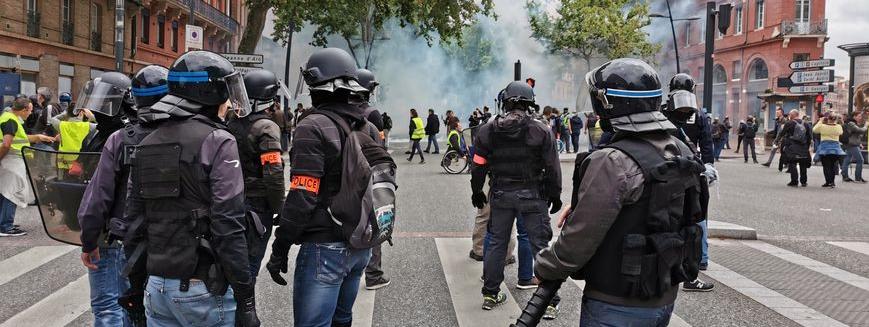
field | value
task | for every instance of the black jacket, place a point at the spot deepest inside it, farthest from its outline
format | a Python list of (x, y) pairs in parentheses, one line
[(432, 125), (791, 148)]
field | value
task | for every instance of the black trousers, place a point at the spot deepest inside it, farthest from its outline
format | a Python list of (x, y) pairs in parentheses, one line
[(414, 149), (801, 174), (373, 271), (738, 143), (748, 143), (831, 168)]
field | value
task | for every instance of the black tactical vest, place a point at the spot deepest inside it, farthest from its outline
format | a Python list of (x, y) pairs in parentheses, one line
[(176, 194), (131, 135), (513, 162), (654, 243), (251, 166)]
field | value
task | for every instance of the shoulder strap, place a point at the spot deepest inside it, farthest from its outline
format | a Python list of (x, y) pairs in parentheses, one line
[(641, 151)]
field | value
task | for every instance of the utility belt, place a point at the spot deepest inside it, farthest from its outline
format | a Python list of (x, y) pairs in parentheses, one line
[(516, 182), (653, 264)]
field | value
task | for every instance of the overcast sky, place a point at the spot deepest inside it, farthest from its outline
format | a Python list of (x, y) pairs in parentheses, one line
[(848, 22)]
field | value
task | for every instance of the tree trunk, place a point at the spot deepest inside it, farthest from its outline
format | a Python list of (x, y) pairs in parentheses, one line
[(256, 19)]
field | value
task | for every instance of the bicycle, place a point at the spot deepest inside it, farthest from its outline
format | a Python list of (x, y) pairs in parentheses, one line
[(454, 163)]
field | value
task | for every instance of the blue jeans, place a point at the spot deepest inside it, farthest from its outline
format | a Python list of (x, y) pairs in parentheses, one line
[(433, 139), (7, 214), (600, 314), (166, 305), (326, 282), (107, 285), (717, 146), (704, 247), (853, 153), (526, 255)]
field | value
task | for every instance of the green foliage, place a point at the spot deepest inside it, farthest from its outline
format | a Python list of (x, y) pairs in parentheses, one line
[(475, 50), (586, 28)]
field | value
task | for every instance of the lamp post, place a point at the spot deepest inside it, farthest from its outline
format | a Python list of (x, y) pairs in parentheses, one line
[(673, 29)]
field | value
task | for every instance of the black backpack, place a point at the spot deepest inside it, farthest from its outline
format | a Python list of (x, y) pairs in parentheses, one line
[(799, 135), (846, 134), (387, 122), (364, 206)]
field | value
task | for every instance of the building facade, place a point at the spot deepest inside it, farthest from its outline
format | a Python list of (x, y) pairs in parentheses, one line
[(764, 37), (61, 44)]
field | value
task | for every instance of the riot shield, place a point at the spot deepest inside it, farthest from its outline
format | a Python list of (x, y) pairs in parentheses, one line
[(59, 180)]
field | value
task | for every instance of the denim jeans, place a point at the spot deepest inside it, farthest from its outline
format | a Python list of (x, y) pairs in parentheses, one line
[(166, 305), (414, 149), (600, 314), (432, 139), (526, 255), (853, 153), (574, 139), (7, 214), (717, 146), (325, 284), (704, 244), (107, 284)]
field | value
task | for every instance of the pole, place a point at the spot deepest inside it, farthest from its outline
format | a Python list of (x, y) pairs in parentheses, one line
[(517, 70), (119, 35), (707, 62), (192, 20), (292, 28), (675, 43), (851, 88)]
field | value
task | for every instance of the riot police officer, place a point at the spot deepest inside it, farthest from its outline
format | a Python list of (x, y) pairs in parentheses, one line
[(259, 148), (102, 209), (629, 254), (186, 192), (518, 154), (109, 98)]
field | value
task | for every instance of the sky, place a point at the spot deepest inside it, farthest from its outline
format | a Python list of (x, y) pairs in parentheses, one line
[(848, 22)]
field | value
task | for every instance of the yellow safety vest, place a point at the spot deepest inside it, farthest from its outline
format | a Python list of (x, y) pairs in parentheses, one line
[(72, 135), (20, 139), (419, 132), (458, 139)]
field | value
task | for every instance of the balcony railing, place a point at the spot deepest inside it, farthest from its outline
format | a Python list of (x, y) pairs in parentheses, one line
[(212, 14), (33, 19), (792, 28), (68, 33), (96, 41)]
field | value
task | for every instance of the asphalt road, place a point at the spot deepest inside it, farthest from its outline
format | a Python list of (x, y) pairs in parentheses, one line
[(429, 283)]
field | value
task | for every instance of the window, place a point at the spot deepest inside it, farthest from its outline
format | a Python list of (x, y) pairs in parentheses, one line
[(161, 30), (146, 26), (719, 75), (96, 27), (737, 70), (801, 56), (32, 5), (173, 38), (702, 32), (134, 29), (28, 83), (229, 8), (758, 14), (701, 73), (64, 80), (66, 11), (66, 16), (738, 20), (802, 11), (687, 34), (758, 70), (96, 72)]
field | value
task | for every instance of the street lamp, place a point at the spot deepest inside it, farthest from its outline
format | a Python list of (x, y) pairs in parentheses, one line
[(673, 29)]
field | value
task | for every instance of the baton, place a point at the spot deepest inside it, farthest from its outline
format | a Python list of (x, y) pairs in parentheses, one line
[(536, 306)]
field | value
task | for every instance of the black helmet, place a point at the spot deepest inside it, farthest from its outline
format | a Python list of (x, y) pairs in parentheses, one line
[(627, 92), (204, 78), (107, 95), (262, 87), (517, 96), (366, 79), (150, 84), (65, 97), (682, 81), (330, 69)]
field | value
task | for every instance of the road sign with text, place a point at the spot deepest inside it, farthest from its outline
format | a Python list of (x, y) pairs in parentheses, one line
[(239, 58), (812, 76), (811, 89), (813, 64)]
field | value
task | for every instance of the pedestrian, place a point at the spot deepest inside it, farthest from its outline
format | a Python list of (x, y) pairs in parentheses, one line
[(328, 270), (15, 190), (417, 132), (830, 150), (371, 113), (277, 115), (718, 138), (855, 129), (43, 110), (486, 115), (455, 140), (104, 200), (594, 131), (432, 128), (480, 238), (564, 129), (748, 131), (609, 245), (727, 127), (387, 126), (780, 120), (796, 142), (739, 135), (519, 154)]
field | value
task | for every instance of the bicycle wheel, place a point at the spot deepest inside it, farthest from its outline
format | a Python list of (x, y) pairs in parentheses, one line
[(453, 162)]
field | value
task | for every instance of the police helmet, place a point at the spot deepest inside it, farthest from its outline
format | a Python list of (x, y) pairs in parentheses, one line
[(107, 95), (517, 96), (366, 79), (682, 81), (150, 84), (206, 79), (627, 93), (331, 69), (262, 87), (65, 97)]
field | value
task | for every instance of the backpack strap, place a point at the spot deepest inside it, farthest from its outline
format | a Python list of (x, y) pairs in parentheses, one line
[(638, 149)]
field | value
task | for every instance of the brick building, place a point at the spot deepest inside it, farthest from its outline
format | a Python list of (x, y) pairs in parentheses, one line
[(61, 44), (764, 37)]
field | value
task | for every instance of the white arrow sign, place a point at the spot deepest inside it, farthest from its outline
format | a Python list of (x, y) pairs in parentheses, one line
[(814, 76), (811, 89), (813, 64), (245, 70), (238, 58)]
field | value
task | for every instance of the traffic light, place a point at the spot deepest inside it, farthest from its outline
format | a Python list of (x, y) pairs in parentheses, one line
[(819, 98)]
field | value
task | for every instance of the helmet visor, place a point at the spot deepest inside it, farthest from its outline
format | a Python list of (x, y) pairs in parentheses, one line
[(237, 94), (100, 97), (684, 101)]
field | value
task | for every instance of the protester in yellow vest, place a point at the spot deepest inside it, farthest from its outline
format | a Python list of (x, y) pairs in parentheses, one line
[(417, 132), (15, 188), (72, 127)]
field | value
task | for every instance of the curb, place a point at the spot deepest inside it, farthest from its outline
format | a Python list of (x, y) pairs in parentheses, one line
[(720, 229)]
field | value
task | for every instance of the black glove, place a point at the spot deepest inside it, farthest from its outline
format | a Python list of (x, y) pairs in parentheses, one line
[(245, 311), (132, 302), (277, 264), (479, 200), (555, 204)]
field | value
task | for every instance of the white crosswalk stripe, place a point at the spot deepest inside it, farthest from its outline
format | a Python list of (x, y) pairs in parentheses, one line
[(30, 259), (859, 247), (57, 309), (823, 268)]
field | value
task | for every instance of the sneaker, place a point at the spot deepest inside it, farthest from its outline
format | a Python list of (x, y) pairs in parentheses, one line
[(422, 162), (551, 312), (528, 284), (765, 164), (804, 184), (427, 151), (830, 185), (792, 184), (704, 266), (861, 181), (409, 159), (474, 256), (13, 232), (847, 179), (491, 301), (697, 286), (511, 260), (379, 283)]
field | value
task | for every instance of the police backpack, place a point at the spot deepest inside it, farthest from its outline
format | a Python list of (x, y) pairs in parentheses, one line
[(364, 206)]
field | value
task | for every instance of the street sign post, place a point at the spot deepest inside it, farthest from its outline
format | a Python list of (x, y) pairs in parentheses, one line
[(812, 76), (813, 64), (239, 58), (802, 89)]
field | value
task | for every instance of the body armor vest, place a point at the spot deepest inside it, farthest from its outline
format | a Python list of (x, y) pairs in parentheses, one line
[(251, 166), (654, 244), (514, 162)]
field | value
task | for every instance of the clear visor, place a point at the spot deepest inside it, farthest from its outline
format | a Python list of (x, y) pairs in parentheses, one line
[(238, 99), (683, 101), (99, 97)]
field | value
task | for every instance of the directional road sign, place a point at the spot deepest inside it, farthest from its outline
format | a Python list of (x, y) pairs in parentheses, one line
[(813, 76), (811, 89), (813, 64), (238, 58), (245, 70)]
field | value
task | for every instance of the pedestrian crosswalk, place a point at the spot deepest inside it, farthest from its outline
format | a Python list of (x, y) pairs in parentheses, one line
[(764, 278)]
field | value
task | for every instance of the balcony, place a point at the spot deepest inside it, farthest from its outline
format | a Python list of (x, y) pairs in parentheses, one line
[(96, 41), (804, 28), (212, 15), (33, 19), (68, 33)]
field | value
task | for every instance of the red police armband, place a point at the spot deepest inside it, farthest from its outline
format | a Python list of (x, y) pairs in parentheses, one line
[(305, 183), (479, 160), (273, 157)]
